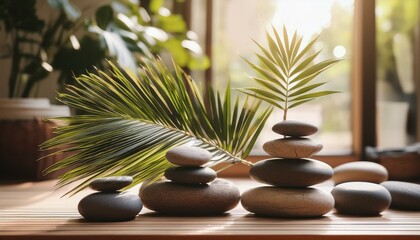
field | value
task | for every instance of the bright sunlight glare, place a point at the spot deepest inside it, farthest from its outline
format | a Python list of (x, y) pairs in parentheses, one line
[(339, 51), (308, 17)]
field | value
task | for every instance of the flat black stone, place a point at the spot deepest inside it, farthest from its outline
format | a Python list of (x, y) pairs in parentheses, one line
[(110, 207), (110, 184)]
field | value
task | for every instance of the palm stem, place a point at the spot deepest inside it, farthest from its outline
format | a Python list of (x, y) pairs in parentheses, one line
[(285, 114)]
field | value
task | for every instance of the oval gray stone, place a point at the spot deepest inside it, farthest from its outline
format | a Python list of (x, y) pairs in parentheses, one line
[(188, 156), (292, 147), (190, 175), (301, 172), (361, 171), (361, 198), (110, 207), (110, 184), (405, 195), (294, 128), (186, 199), (287, 202)]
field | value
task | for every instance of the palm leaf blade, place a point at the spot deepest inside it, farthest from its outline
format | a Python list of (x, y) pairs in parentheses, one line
[(305, 50), (285, 60), (319, 67), (131, 122), (307, 89), (277, 53), (313, 95), (300, 102), (262, 97), (271, 86)]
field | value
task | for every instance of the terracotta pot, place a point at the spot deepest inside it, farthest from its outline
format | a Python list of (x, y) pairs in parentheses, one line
[(22, 130)]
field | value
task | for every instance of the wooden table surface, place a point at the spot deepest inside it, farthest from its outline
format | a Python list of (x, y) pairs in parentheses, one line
[(37, 211)]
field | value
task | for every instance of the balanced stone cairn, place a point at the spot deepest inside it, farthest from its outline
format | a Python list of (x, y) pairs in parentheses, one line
[(291, 173), (190, 188), (109, 204)]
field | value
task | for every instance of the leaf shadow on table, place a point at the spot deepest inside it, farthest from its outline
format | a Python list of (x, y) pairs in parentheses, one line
[(23, 193)]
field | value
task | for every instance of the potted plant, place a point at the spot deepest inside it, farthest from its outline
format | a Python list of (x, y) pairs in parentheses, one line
[(69, 45), (31, 43)]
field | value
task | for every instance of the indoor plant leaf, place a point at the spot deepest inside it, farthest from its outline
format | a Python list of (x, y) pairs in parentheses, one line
[(103, 16), (132, 121), (287, 72)]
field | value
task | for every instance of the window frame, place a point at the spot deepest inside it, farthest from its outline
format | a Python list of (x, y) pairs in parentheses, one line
[(417, 74)]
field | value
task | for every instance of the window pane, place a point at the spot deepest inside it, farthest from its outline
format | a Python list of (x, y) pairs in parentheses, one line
[(396, 23), (237, 22)]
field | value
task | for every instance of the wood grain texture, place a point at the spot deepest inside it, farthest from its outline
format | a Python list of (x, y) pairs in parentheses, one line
[(36, 211)]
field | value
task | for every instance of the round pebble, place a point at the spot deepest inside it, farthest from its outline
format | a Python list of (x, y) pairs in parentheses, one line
[(188, 156), (301, 172), (287, 202), (294, 128), (292, 147), (361, 198), (110, 184), (110, 207), (190, 175), (186, 199), (361, 171), (405, 195)]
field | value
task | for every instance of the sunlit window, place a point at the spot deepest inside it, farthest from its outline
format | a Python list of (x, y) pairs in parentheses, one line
[(237, 22), (396, 22)]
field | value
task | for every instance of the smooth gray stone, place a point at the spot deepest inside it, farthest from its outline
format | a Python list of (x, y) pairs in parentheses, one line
[(110, 184), (361, 198), (294, 128), (110, 207), (292, 147), (287, 172), (405, 195), (287, 202), (171, 198), (190, 175), (188, 156), (360, 171)]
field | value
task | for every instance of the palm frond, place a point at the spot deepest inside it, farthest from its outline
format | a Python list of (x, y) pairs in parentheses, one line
[(132, 121), (287, 72)]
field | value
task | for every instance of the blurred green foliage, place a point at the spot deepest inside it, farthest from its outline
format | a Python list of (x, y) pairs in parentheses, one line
[(71, 44)]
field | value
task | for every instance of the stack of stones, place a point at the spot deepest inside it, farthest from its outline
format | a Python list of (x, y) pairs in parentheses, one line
[(190, 188), (109, 204), (291, 173)]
